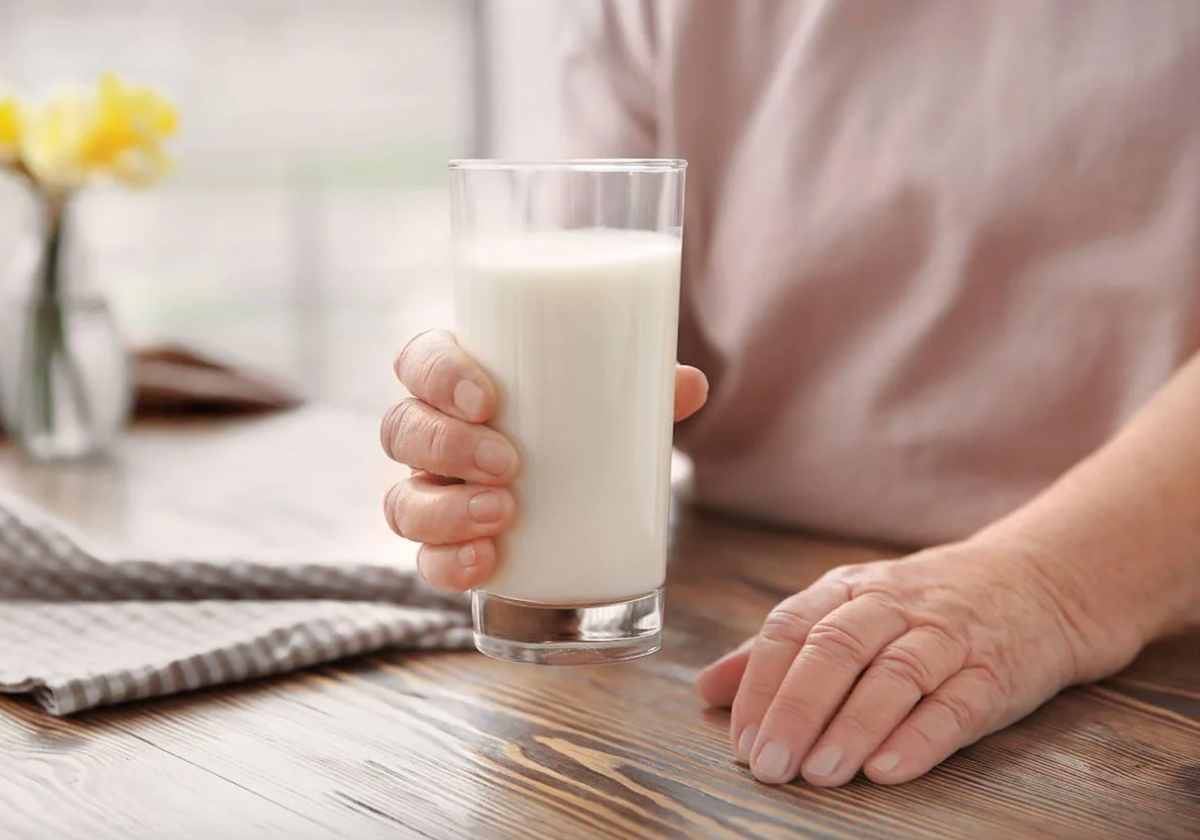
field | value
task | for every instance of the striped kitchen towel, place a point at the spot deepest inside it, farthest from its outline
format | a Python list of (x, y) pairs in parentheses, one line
[(78, 630)]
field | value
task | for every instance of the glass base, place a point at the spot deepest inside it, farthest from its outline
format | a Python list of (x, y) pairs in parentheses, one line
[(556, 634)]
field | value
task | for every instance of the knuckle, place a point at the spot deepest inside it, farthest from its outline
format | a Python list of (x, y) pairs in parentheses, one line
[(959, 711), (923, 735), (407, 519), (907, 668), (391, 503), (759, 689), (413, 515), (783, 625), (996, 695), (421, 437), (841, 577), (447, 445), (837, 642), (796, 712), (395, 427), (387, 427), (423, 365), (425, 371), (854, 725), (998, 677), (405, 358)]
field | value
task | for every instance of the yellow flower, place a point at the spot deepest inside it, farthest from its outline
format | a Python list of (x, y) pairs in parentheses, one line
[(10, 129), (118, 131), (51, 138), (131, 124)]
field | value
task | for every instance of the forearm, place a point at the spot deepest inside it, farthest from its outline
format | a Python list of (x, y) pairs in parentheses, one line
[(1124, 524)]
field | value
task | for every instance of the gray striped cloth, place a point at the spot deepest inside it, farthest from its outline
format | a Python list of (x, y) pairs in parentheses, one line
[(79, 631)]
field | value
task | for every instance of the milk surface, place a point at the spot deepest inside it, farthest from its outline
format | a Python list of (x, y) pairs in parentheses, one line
[(578, 331)]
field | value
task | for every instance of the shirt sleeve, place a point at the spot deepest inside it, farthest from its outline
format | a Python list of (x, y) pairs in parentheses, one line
[(608, 87)]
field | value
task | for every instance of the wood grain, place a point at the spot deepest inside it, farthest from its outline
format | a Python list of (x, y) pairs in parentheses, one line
[(61, 779), (458, 746)]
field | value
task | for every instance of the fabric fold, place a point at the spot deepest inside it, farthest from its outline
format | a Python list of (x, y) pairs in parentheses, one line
[(79, 631)]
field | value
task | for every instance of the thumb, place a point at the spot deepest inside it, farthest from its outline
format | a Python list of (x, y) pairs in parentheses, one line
[(691, 391), (718, 683)]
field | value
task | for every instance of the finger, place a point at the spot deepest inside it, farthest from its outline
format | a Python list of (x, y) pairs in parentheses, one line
[(691, 391), (776, 646), (457, 568), (427, 511), (419, 435), (965, 708), (718, 683), (908, 669), (838, 649), (437, 371)]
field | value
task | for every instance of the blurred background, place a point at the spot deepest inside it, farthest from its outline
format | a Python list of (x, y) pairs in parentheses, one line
[(305, 231)]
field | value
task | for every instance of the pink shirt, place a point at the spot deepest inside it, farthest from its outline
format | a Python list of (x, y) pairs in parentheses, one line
[(936, 252)]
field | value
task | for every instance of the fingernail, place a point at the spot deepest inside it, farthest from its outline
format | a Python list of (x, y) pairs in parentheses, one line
[(773, 762), (824, 761), (468, 398), (745, 743), (486, 507), (887, 762), (493, 457), (467, 557)]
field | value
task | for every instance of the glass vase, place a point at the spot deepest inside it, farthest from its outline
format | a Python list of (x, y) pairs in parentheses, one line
[(65, 376)]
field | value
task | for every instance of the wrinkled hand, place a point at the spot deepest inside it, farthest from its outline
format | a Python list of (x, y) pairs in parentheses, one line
[(892, 666), (457, 499)]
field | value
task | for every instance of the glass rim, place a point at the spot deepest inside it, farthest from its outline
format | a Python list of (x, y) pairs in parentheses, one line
[(571, 164)]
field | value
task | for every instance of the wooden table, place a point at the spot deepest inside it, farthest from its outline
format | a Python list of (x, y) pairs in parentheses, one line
[(459, 746)]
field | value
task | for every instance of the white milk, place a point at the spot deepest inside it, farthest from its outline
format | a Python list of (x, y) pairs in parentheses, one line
[(578, 330)]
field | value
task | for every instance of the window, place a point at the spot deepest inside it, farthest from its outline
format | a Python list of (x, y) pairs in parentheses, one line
[(306, 224)]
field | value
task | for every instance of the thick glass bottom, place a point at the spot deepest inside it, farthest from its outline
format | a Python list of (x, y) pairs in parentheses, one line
[(585, 634)]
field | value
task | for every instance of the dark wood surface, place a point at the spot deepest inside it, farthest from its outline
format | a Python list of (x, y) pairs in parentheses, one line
[(458, 746)]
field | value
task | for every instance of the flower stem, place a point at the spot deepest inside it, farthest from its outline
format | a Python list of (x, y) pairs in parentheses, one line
[(49, 322)]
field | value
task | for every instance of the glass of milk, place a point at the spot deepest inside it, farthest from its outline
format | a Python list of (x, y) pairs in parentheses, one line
[(567, 292)]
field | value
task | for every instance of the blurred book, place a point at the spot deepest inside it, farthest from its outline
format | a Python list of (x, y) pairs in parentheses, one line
[(171, 381)]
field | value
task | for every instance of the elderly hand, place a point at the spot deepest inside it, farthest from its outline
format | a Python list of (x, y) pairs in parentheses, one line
[(892, 666), (457, 499)]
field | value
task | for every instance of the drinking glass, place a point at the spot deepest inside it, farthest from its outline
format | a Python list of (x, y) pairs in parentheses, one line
[(567, 293)]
